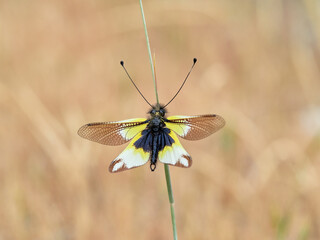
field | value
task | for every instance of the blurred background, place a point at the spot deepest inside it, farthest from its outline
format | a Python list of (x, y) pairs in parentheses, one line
[(259, 68)]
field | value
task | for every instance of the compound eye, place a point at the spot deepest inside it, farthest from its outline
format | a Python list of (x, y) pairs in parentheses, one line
[(153, 112), (161, 112)]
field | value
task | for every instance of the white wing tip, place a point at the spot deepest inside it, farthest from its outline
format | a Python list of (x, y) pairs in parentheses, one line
[(184, 161), (117, 165)]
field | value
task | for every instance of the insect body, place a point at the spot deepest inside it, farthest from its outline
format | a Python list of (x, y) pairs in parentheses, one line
[(154, 138)]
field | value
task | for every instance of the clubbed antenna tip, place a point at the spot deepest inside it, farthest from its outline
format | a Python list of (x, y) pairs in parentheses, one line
[(194, 62), (122, 64)]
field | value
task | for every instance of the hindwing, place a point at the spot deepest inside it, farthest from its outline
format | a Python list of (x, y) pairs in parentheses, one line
[(174, 153), (131, 157)]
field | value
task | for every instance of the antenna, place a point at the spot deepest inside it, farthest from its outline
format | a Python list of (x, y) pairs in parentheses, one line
[(122, 64), (194, 62)]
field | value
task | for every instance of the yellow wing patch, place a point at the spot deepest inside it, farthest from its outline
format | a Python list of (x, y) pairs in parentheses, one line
[(129, 132), (131, 157), (175, 154), (180, 128)]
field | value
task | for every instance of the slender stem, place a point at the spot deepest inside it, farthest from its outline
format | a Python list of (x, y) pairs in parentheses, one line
[(149, 51), (171, 200), (166, 167)]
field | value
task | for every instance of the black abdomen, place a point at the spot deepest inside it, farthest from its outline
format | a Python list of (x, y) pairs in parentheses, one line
[(153, 140)]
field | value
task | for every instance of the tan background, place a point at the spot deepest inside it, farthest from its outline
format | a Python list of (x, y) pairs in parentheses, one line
[(258, 67)]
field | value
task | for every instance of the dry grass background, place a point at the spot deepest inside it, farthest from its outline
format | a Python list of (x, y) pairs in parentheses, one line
[(258, 67)]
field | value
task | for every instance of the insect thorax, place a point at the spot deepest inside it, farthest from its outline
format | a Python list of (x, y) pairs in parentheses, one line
[(156, 124)]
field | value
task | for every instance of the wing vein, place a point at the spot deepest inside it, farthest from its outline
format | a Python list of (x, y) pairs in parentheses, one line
[(195, 127)]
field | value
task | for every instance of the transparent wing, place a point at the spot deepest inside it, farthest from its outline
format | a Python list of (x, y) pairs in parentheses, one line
[(195, 127), (113, 133)]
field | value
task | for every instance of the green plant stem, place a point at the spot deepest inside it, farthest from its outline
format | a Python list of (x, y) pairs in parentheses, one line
[(166, 167), (171, 200), (149, 51)]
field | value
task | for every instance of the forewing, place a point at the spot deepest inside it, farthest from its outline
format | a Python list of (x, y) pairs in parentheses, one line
[(195, 127), (131, 157), (113, 133), (175, 154)]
